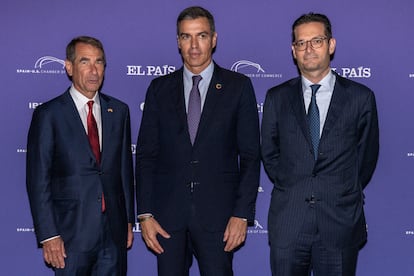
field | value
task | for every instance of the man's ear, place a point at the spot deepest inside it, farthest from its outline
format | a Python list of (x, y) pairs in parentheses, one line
[(332, 46), (68, 67)]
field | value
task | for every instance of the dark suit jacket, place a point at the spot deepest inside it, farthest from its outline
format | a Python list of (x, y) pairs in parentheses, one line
[(223, 163), (64, 182), (348, 152)]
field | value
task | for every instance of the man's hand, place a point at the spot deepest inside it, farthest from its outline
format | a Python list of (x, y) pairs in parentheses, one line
[(54, 252), (235, 233), (130, 238), (150, 228)]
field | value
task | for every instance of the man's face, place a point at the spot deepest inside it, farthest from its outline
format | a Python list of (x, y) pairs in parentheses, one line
[(87, 70), (196, 43), (313, 62)]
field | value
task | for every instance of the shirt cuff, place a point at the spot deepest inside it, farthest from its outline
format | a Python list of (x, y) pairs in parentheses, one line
[(54, 237), (145, 215)]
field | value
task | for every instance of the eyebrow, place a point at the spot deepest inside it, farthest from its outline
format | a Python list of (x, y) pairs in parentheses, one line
[(318, 36), (88, 59), (200, 33)]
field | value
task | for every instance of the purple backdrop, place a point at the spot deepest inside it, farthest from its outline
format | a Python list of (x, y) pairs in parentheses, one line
[(374, 47)]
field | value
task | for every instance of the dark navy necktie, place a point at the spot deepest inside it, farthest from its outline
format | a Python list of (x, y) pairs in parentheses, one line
[(194, 109), (314, 121)]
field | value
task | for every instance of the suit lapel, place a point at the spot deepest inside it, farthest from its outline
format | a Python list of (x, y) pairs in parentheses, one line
[(74, 120), (298, 106), (176, 88), (338, 102), (215, 89)]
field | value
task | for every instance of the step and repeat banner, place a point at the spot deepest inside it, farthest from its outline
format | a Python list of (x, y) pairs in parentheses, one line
[(375, 46)]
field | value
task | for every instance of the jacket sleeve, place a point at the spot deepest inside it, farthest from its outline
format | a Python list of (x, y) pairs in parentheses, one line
[(127, 169), (368, 140), (248, 142), (270, 139), (40, 144), (147, 153)]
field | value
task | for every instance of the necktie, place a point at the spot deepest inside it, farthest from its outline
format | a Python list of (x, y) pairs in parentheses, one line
[(314, 121), (93, 137), (194, 109)]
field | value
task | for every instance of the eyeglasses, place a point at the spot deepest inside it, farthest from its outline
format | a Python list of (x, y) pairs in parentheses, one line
[(315, 43)]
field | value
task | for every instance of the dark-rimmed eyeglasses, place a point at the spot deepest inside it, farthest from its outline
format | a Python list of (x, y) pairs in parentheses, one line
[(315, 43)]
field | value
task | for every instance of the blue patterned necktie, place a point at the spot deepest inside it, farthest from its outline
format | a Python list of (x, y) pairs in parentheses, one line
[(314, 121), (194, 109)]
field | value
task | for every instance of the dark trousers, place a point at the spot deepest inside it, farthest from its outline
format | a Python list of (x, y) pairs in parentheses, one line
[(106, 259), (309, 254), (207, 247)]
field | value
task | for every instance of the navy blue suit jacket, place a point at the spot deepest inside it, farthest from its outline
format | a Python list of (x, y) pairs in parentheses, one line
[(64, 181), (347, 157), (224, 162)]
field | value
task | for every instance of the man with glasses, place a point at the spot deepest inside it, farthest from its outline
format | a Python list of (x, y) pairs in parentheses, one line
[(319, 148)]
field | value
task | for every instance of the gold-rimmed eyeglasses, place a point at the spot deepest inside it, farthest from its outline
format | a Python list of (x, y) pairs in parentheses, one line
[(315, 43)]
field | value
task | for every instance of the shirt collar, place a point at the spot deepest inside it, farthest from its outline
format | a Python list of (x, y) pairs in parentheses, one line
[(327, 83), (206, 74), (80, 100)]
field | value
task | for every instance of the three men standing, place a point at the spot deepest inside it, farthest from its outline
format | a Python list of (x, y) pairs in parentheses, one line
[(198, 162)]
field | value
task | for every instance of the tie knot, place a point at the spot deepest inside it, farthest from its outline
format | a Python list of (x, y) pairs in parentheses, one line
[(90, 103), (315, 88), (196, 80)]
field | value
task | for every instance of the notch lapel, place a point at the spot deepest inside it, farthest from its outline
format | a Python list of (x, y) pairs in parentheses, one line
[(75, 122), (338, 102), (215, 89), (177, 99), (298, 106)]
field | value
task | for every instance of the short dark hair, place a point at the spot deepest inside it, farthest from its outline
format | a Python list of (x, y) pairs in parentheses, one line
[(70, 49), (313, 17), (194, 13)]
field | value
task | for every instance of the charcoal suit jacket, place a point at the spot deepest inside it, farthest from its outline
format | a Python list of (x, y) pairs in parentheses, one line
[(223, 165), (347, 156)]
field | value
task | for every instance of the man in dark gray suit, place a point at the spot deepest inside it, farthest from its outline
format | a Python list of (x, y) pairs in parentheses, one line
[(319, 148)]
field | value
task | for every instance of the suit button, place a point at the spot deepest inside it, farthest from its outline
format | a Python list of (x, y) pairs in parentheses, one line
[(100, 172), (313, 174)]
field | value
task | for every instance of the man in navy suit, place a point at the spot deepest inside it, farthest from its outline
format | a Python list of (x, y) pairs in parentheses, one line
[(81, 192), (196, 190), (319, 148)]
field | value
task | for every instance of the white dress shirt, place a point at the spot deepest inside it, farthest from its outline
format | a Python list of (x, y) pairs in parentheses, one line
[(81, 103)]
